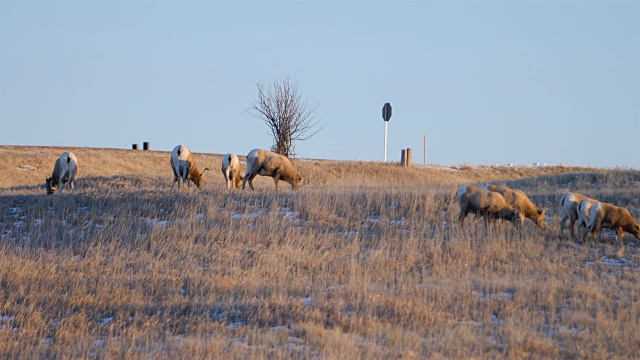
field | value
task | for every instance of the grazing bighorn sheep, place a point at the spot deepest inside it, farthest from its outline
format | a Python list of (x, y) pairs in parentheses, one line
[(231, 171), (569, 203), (612, 217), (486, 203), (519, 198), (583, 211), (266, 163), (64, 171), (184, 168)]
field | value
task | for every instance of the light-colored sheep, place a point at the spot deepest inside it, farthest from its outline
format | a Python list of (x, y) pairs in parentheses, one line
[(184, 168), (609, 216), (231, 171), (490, 204), (517, 198), (266, 163), (569, 206), (583, 211), (64, 171)]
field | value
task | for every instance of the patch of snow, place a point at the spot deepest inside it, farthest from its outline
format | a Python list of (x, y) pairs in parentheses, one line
[(473, 323), (279, 328), (26, 168), (234, 325), (398, 222), (105, 321), (506, 296), (242, 216), (38, 222), (307, 301)]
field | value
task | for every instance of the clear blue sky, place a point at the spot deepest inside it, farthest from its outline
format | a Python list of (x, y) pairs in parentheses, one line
[(488, 82)]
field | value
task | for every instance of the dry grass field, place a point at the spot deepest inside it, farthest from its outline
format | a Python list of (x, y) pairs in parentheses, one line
[(366, 261)]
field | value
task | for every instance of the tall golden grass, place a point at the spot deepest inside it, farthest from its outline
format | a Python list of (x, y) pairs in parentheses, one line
[(367, 261)]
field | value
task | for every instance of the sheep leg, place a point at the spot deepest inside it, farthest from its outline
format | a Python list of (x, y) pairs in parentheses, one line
[(60, 187), (563, 221), (276, 177), (248, 178), (175, 179), (620, 238), (244, 179), (226, 178), (572, 222), (597, 229), (461, 217), (185, 177)]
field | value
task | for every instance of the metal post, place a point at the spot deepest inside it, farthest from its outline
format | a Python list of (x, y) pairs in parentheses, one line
[(425, 149), (386, 124)]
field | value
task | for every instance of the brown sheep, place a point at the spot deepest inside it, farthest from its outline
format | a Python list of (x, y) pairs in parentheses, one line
[(231, 171), (569, 205), (64, 171), (609, 216), (184, 168), (266, 163), (486, 203), (520, 199), (584, 211)]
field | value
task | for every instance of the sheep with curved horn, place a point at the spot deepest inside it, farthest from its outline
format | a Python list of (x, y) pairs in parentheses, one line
[(184, 168)]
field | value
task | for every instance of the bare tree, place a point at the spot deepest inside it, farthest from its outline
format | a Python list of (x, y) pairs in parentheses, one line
[(287, 115)]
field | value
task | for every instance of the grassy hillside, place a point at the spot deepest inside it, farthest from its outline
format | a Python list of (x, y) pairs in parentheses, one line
[(367, 261)]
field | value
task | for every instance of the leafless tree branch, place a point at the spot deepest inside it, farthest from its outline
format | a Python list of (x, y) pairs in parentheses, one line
[(288, 117)]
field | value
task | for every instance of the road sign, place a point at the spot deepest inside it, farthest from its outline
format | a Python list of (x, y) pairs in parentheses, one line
[(386, 112), (386, 115)]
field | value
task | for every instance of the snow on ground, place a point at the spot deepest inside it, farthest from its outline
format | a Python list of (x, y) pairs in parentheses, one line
[(447, 167), (26, 168), (290, 215)]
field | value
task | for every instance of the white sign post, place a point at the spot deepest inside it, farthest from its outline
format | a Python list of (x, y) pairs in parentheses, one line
[(386, 115)]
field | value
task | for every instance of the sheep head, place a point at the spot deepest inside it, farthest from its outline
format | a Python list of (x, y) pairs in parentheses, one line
[(540, 218), (50, 186), (198, 179), (297, 183)]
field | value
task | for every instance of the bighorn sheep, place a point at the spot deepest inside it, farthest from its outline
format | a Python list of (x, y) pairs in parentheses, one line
[(612, 217), (266, 163), (519, 199), (488, 204), (569, 205), (583, 212), (231, 171), (64, 171), (184, 168)]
